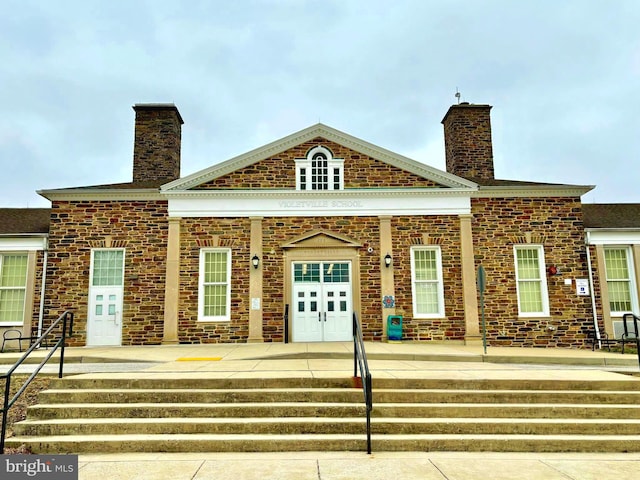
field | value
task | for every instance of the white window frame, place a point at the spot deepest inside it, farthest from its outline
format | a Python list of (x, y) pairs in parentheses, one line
[(631, 280), (544, 291), (332, 165), (201, 287), (92, 265), (4, 254), (438, 281)]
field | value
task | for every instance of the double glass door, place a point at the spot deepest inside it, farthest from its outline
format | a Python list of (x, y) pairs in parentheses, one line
[(322, 307)]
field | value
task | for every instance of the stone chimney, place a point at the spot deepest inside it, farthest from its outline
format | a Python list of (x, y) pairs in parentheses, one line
[(467, 141), (156, 147)]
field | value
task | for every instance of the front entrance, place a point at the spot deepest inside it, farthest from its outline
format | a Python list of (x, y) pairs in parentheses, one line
[(104, 323), (322, 303)]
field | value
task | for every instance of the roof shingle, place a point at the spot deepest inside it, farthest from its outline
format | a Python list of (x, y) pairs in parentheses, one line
[(24, 220)]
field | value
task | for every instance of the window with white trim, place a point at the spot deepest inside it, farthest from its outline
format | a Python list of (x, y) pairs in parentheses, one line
[(319, 171), (13, 287), (426, 282), (619, 277), (107, 267), (531, 281), (214, 292)]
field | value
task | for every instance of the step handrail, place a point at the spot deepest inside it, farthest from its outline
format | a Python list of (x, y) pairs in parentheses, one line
[(285, 321), (636, 320), (67, 321), (360, 360)]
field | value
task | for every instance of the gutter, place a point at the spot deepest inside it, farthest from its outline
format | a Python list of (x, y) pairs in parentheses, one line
[(593, 293), (45, 260)]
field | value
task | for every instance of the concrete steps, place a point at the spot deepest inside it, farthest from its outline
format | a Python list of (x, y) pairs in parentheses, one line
[(342, 395), (154, 414), (334, 442)]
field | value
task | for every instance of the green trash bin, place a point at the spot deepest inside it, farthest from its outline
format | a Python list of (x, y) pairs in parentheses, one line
[(394, 327)]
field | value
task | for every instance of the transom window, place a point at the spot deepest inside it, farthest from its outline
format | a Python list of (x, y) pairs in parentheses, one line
[(426, 275), (214, 297), (13, 287), (319, 171), (531, 282), (108, 268)]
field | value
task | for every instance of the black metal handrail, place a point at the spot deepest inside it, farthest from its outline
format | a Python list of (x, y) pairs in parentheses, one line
[(285, 319), (635, 332), (67, 320), (360, 360)]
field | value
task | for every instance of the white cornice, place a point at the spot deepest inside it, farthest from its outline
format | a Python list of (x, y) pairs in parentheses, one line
[(532, 191), (283, 203), (21, 242), (306, 194), (102, 194), (331, 134), (612, 236)]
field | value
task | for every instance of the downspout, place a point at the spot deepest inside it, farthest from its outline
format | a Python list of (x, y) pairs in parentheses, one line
[(593, 293), (45, 259)]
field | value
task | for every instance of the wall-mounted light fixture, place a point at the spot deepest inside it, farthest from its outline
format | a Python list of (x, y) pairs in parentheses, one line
[(255, 261), (387, 260)]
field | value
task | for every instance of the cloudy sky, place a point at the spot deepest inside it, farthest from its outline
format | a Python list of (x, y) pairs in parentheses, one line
[(563, 78)]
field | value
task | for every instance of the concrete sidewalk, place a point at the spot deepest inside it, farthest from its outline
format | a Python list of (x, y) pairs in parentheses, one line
[(360, 466), (403, 360), (391, 359)]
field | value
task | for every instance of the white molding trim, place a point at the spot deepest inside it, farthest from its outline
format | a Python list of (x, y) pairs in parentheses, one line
[(22, 243), (532, 191), (102, 194), (612, 236), (288, 203)]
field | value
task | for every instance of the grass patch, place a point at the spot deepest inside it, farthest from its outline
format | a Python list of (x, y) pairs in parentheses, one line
[(18, 411)]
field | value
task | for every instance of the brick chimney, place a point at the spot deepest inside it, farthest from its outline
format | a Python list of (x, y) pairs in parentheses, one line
[(467, 141), (156, 147)]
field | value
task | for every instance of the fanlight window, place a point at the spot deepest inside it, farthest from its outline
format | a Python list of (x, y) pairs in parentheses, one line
[(319, 171)]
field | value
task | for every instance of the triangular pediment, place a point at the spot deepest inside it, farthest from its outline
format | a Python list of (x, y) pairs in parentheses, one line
[(439, 177), (321, 239)]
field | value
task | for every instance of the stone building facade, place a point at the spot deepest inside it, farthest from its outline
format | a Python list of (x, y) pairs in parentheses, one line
[(286, 242)]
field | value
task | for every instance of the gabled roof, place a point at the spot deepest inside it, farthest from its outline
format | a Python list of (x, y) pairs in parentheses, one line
[(24, 221), (315, 131), (611, 215)]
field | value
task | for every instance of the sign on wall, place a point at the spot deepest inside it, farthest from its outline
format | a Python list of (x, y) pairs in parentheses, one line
[(582, 286)]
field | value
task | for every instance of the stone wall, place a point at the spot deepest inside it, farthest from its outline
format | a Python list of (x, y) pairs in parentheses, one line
[(138, 226), (198, 233), (444, 231), (498, 225), (407, 232)]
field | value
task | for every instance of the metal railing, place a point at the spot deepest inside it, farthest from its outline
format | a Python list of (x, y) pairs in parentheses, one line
[(360, 360), (629, 337), (66, 319), (285, 319)]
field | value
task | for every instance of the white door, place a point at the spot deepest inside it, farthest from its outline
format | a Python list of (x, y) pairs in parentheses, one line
[(338, 322), (322, 302), (104, 323), (307, 317)]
